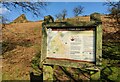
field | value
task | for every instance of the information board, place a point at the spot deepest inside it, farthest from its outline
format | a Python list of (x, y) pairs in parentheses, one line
[(71, 44)]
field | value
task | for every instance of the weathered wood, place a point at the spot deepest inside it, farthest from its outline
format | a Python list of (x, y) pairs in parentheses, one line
[(47, 73), (67, 63), (43, 46), (99, 45)]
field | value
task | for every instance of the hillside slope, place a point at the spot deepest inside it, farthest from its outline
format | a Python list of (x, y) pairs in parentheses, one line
[(22, 41)]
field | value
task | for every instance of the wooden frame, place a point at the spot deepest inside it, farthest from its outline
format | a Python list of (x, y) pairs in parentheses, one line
[(67, 63)]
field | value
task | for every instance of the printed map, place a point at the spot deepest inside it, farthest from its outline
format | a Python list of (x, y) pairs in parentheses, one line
[(74, 45)]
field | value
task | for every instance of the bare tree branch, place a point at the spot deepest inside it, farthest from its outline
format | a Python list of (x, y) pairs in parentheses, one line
[(64, 13), (32, 7), (78, 10), (114, 9), (61, 15)]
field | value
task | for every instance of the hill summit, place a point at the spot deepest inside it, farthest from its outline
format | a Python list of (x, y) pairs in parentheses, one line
[(21, 19)]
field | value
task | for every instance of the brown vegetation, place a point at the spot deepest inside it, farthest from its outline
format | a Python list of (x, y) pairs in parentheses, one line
[(22, 40)]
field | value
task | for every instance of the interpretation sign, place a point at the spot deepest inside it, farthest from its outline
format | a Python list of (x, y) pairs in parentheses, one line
[(77, 45), (71, 44)]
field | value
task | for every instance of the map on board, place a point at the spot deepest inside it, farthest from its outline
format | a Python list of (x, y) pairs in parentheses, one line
[(74, 45)]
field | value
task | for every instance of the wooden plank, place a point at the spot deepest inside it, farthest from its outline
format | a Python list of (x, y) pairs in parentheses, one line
[(74, 64)]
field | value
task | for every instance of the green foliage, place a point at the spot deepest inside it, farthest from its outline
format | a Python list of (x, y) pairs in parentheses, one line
[(111, 60), (110, 73), (48, 19), (35, 62), (111, 50), (114, 75), (96, 76)]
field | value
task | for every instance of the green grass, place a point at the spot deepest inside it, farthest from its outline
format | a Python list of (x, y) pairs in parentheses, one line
[(36, 60), (111, 61)]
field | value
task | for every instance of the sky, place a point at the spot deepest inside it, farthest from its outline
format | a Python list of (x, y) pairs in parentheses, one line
[(54, 8)]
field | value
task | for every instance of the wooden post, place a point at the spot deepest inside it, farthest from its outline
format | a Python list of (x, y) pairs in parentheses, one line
[(47, 73), (99, 45)]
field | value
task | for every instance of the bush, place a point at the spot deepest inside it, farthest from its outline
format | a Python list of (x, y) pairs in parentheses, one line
[(95, 17)]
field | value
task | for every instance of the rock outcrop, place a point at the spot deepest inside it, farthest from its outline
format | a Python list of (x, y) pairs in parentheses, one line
[(21, 19)]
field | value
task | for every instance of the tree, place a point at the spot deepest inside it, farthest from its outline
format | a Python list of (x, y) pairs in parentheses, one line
[(61, 15), (64, 13), (114, 9), (58, 16), (32, 7), (78, 10)]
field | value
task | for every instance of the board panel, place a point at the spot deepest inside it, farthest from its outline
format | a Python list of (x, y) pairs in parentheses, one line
[(71, 44)]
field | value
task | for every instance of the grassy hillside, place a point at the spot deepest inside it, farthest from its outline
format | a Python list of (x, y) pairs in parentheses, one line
[(21, 43)]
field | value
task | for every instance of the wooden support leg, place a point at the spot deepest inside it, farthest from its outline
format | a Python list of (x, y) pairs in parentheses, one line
[(47, 73)]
